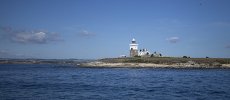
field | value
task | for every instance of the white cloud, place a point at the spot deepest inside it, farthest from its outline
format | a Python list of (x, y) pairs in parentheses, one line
[(85, 33), (173, 39), (79, 31), (36, 37)]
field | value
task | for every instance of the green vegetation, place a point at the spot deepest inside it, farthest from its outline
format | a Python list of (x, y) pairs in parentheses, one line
[(167, 60)]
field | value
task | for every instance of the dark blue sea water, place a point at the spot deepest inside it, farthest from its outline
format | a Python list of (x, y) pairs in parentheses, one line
[(23, 82)]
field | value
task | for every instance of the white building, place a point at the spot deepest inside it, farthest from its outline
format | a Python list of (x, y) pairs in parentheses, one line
[(143, 52), (133, 48)]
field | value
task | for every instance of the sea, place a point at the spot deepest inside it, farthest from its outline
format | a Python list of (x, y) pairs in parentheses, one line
[(58, 82)]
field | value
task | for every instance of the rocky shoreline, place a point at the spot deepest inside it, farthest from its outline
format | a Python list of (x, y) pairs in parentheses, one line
[(151, 65), (130, 62)]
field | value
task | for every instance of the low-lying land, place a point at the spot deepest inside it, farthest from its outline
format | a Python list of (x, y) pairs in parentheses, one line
[(44, 61), (153, 62), (161, 62)]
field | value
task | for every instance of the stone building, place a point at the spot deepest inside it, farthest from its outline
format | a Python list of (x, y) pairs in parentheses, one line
[(133, 48)]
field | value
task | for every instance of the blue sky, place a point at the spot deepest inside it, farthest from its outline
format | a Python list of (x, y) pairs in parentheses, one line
[(104, 28)]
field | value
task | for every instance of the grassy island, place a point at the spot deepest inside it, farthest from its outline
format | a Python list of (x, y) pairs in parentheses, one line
[(168, 62)]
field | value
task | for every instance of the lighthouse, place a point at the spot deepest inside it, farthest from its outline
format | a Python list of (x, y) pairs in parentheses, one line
[(133, 48)]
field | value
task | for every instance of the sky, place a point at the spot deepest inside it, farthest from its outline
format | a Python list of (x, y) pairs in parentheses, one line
[(94, 29)]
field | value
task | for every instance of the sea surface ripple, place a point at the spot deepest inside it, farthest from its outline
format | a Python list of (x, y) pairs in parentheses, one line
[(27, 82)]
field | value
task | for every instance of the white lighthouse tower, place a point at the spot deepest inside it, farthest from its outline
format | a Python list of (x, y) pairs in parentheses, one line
[(133, 48)]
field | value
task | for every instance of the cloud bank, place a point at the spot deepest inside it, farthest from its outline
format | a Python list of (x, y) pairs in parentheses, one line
[(25, 36), (173, 39)]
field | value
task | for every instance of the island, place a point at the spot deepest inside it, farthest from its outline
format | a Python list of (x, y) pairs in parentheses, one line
[(144, 58), (160, 62)]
